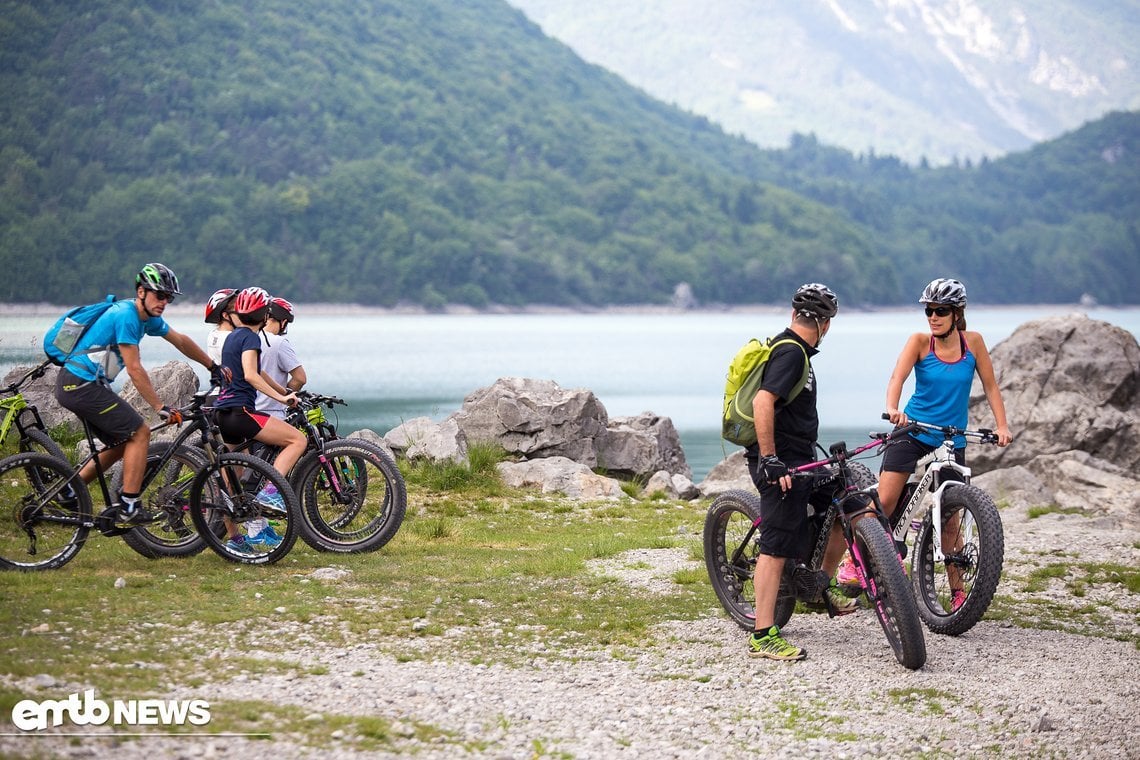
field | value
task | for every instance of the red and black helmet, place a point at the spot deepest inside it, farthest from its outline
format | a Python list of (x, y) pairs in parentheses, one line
[(251, 304), (218, 303), (281, 310)]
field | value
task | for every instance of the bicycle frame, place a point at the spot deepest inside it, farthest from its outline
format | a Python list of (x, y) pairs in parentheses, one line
[(931, 480), (15, 405)]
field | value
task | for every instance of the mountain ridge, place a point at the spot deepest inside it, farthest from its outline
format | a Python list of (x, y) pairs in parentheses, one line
[(917, 79)]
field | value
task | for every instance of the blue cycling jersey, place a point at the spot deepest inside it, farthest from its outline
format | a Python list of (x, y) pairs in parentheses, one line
[(97, 354)]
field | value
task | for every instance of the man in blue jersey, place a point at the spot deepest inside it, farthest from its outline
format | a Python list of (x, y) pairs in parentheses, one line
[(108, 347)]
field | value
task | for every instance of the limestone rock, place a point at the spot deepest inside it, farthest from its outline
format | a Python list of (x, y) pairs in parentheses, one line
[(535, 418), (640, 446), (423, 438), (1069, 383), (560, 475)]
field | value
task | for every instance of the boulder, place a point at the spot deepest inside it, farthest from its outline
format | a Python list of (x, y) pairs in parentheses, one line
[(642, 445), (675, 486), (175, 382), (40, 393), (558, 474), (1071, 480), (535, 418), (1068, 383), (730, 473), (371, 436), (423, 438)]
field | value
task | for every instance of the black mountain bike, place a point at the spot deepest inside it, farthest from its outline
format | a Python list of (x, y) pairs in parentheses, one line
[(842, 490), (43, 526)]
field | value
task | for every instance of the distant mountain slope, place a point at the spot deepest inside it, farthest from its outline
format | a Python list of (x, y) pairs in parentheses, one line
[(446, 151), (939, 79)]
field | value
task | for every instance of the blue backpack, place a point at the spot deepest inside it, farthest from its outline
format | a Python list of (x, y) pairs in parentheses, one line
[(62, 337)]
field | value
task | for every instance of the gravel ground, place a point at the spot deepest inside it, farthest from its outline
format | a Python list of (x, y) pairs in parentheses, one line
[(997, 691)]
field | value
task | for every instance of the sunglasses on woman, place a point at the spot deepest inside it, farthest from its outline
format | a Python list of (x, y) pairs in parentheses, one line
[(942, 311)]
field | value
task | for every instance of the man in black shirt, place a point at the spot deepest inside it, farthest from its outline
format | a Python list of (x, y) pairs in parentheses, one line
[(786, 431)]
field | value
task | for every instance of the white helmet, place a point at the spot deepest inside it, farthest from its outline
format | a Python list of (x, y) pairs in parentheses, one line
[(945, 291)]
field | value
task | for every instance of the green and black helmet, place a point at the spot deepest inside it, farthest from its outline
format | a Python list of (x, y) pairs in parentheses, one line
[(159, 278)]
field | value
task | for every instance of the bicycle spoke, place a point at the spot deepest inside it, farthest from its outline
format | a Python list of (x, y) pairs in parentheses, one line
[(41, 530)]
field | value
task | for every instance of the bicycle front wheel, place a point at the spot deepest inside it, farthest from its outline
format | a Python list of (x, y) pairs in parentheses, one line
[(36, 440), (252, 500), (353, 498), (166, 494), (731, 548), (40, 530), (888, 592), (973, 542)]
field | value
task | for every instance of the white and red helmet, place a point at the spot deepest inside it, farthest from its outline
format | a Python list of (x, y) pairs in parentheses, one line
[(216, 306)]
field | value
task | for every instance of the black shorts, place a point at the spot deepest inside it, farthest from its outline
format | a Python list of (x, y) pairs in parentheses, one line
[(239, 424), (784, 515), (112, 420), (903, 455)]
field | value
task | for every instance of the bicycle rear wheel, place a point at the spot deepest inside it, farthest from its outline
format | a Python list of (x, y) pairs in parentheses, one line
[(730, 558), (353, 498), (233, 491), (888, 592), (38, 529), (973, 542), (166, 494)]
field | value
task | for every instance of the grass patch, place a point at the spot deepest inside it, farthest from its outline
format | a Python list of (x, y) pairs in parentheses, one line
[(931, 700), (477, 476), (1053, 509)]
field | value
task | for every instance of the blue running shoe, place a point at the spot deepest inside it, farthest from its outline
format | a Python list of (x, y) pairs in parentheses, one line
[(266, 537), (238, 545), (270, 498)]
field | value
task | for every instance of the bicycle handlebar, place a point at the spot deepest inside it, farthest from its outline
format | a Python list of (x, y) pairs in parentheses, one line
[(317, 399), (34, 372), (985, 435)]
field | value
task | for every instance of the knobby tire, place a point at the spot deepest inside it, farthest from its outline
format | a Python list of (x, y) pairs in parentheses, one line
[(727, 523), (36, 440), (26, 512), (229, 488), (166, 494), (889, 593), (978, 553), (353, 497)]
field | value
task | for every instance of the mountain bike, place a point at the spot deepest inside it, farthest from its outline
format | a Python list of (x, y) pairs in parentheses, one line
[(352, 495), (26, 417), (44, 523), (959, 541), (842, 490)]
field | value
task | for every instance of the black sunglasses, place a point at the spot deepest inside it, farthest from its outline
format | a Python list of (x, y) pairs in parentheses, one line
[(162, 295), (942, 311)]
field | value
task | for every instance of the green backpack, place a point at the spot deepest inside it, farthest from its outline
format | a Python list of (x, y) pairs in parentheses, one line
[(745, 374)]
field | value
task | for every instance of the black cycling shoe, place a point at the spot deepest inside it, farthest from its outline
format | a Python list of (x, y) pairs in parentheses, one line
[(136, 516)]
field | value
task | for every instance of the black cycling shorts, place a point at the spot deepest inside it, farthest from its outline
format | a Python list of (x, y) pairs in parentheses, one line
[(903, 455), (112, 420), (239, 424)]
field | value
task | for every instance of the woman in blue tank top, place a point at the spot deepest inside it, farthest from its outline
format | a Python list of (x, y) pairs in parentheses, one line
[(944, 362)]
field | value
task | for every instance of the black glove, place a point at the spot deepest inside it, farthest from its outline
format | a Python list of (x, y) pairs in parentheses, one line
[(771, 468), (171, 415), (219, 375)]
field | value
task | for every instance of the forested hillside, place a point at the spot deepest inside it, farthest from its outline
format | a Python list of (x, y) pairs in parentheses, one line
[(437, 151)]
